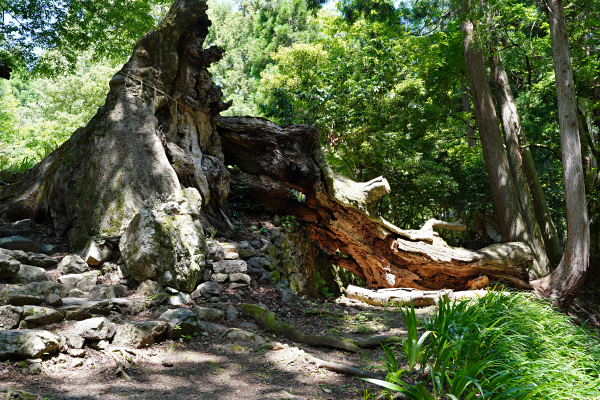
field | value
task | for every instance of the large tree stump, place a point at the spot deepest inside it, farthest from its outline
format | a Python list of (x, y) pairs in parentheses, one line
[(285, 171), (155, 134)]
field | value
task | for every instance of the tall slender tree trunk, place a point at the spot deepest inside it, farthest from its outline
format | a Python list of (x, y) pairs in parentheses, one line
[(566, 280), (508, 210), (511, 125)]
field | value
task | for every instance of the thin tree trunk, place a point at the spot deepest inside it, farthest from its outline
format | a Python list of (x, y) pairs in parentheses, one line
[(566, 280), (508, 210), (512, 125)]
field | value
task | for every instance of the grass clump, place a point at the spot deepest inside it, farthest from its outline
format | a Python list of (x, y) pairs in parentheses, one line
[(501, 346)]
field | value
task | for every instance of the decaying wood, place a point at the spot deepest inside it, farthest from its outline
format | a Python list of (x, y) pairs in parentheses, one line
[(284, 170), (408, 296)]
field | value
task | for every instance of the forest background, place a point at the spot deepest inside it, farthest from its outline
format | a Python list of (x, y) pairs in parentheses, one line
[(386, 83)]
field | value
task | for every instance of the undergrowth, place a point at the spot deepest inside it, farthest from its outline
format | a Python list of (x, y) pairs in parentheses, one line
[(500, 346)]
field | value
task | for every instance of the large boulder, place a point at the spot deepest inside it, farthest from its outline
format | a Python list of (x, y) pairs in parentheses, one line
[(85, 281), (167, 244), (27, 343)]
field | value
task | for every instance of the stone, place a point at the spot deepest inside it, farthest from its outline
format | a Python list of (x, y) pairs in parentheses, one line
[(18, 297), (240, 335), (282, 243), (206, 274), (122, 271), (140, 334), (249, 325), (152, 291), (96, 252), (108, 291), (24, 224), (45, 288), (41, 315), (9, 267), (211, 327), (77, 353), (167, 248), (35, 368), (81, 308), (53, 300), (182, 322), (29, 273), (40, 260), (85, 281), (99, 344), (47, 248), (230, 251), (232, 313), (236, 285), (98, 328), (230, 266), (214, 251), (246, 251), (270, 250), (76, 363), (207, 289), (268, 264), (240, 278), (27, 343), (209, 314), (76, 293), (289, 298), (72, 264), (20, 243), (179, 299), (220, 278), (126, 305), (9, 317), (76, 341)]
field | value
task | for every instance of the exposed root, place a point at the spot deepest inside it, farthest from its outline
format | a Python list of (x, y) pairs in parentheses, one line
[(332, 366), (122, 356), (266, 320)]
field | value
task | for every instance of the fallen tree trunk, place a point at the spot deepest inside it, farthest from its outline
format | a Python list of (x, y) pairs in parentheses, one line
[(284, 170)]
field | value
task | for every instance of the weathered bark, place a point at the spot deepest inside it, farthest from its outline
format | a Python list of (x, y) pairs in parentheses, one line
[(506, 203), (511, 125), (276, 163), (155, 134), (566, 280)]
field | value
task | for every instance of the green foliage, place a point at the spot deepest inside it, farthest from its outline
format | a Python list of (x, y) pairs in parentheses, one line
[(39, 114), (289, 223), (501, 346), (109, 28), (321, 285)]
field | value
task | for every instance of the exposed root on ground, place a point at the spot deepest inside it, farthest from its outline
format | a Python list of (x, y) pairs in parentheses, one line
[(266, 320)]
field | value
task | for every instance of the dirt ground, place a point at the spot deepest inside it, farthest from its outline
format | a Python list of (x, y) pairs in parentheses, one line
[(209, 366)]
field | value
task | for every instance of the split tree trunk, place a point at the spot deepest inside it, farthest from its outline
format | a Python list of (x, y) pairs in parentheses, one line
[(155, 133), (283, 169), (566, 280), (511, 125), (506, 203)]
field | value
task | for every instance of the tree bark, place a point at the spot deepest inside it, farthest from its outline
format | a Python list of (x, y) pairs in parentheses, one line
[(511, 125), (276, 163), (155, 133), (508, 210), (566, 280)]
